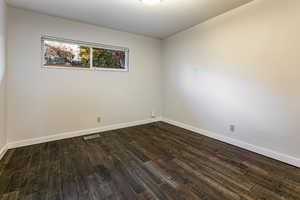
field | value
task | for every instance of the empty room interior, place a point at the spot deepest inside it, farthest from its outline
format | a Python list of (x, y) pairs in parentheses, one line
[(149, 100)]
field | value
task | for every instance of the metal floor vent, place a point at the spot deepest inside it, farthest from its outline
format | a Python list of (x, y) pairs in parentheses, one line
[(91, 137)]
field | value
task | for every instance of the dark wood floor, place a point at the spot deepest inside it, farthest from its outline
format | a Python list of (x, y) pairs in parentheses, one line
[(154, 161)]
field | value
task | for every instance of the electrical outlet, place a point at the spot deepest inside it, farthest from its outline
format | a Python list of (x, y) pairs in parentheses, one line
[(232, 128), (153, 115), (99, 119)]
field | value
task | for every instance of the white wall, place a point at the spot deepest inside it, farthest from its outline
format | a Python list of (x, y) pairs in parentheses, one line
[(241, 68), (2, 72), (52, 101)]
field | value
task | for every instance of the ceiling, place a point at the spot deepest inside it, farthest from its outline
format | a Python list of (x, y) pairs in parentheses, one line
[(159, 21)]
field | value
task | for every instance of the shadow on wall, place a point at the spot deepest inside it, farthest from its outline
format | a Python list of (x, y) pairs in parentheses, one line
[(221, 96)]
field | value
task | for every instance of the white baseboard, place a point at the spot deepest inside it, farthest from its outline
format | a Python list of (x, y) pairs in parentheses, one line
[(260, 150), (71, 134), (3, 151)]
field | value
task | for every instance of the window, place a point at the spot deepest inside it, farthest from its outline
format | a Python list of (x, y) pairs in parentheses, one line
[(62, 53)]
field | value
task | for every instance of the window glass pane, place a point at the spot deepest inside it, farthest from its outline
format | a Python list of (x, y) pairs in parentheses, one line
[(61, 54), (110, 59)]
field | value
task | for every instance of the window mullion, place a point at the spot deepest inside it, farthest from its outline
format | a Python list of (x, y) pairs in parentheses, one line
[(91, 57)]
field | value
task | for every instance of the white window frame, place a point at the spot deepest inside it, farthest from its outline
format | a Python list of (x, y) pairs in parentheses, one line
[(87, 44)]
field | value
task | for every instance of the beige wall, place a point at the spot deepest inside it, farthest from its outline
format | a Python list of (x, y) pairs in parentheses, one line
[(43, 102), (239, 68), (2, 72)]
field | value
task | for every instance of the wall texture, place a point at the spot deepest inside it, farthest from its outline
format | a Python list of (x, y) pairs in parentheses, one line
[(239, 68), (43, 102), (2, 72)]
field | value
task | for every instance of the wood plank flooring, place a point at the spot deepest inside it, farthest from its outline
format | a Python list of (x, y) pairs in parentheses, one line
[(153, 161)]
